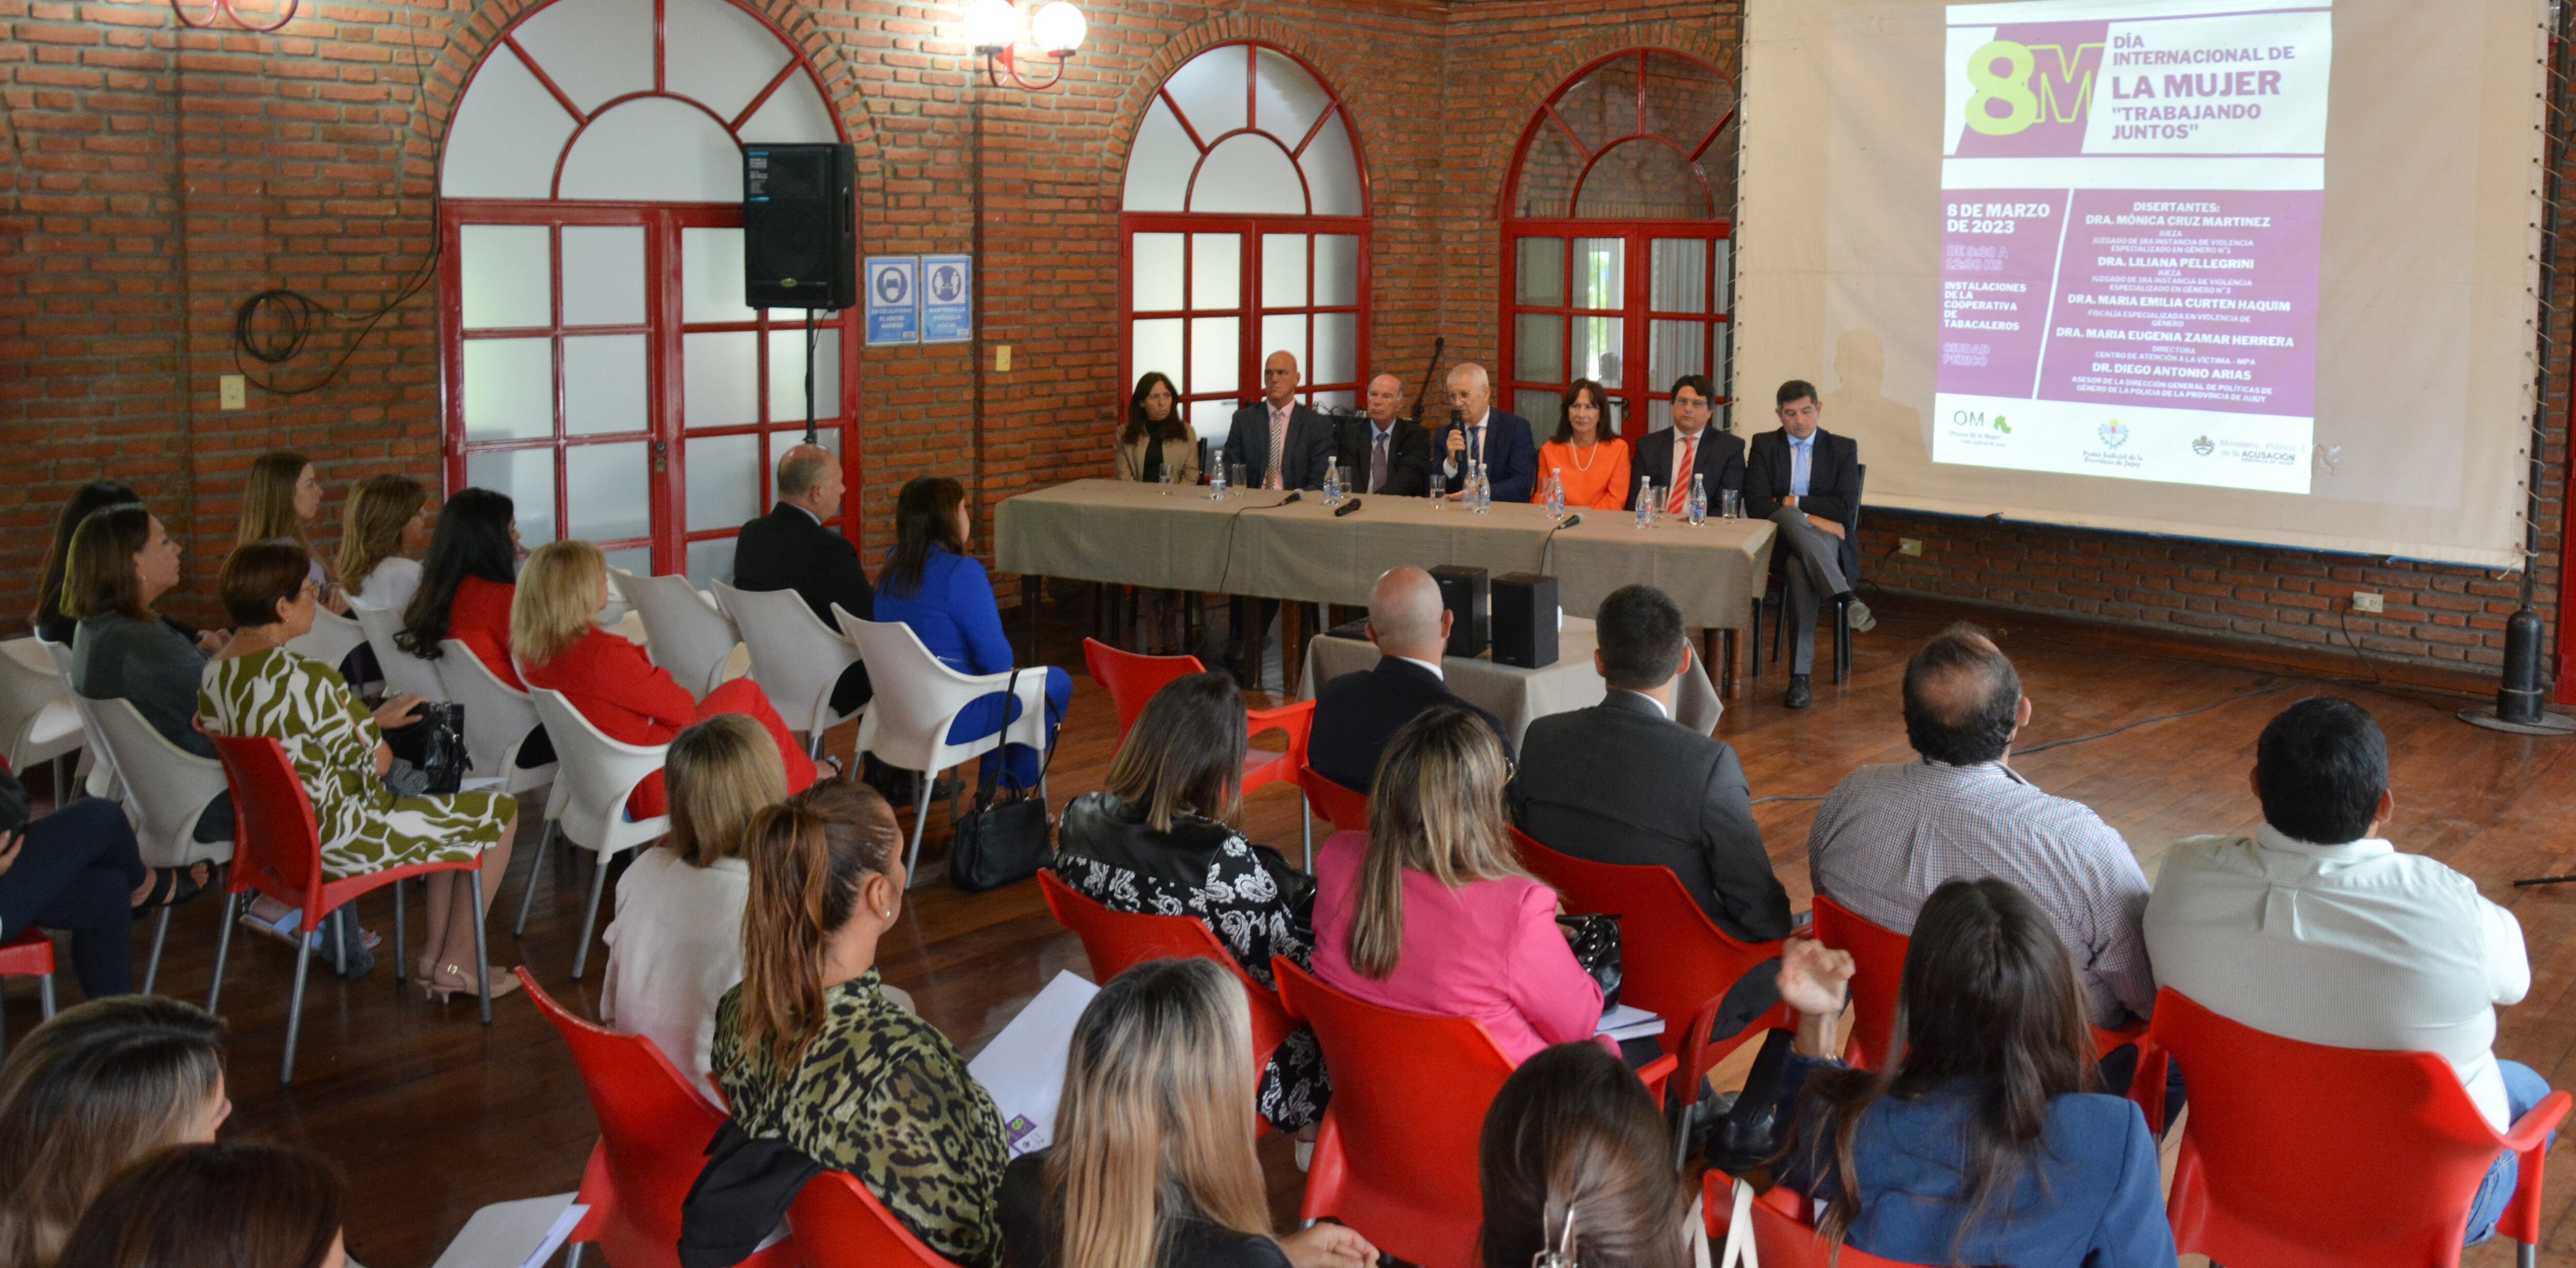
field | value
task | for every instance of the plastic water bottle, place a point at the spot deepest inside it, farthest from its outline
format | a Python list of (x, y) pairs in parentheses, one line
[(1484, 496), (1556, 493), (1216, 482), (1645, 504), (1697, 506), (1332, 482)]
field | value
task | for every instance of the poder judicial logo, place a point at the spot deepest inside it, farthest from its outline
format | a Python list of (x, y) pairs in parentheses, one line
[(2114, 433)]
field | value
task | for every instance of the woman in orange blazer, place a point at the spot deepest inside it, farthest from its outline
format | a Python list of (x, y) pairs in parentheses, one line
[(1594, 466), (606, 676)]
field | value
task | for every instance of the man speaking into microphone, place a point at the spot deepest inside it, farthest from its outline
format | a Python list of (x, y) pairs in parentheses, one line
[(1478, 431)]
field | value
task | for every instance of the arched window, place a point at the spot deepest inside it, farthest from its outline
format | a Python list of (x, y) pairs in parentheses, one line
[(1615, 237), (1245, 231), (600, 365)]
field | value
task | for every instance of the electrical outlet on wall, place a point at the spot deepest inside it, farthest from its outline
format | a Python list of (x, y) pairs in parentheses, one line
[(234, 391), (2368, 601), (1911, 547), (1002, 359)]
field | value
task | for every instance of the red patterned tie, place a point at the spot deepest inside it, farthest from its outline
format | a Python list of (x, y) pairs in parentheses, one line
[(1680, 498)]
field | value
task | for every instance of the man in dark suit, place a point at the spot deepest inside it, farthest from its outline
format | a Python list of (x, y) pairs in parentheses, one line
[(1806, 480), (1476, 431), (1689, 447), (1622, 782), (1356, 714), (1277, 424), (789, 549), (1386, 452)]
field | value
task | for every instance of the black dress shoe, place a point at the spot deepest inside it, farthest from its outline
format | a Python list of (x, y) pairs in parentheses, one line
[(1800, 695)]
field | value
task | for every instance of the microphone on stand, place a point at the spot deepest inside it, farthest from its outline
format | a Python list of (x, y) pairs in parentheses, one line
[(1293, 495)]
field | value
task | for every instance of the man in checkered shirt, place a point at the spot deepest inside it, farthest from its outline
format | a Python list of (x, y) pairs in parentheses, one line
[(1889, 835)]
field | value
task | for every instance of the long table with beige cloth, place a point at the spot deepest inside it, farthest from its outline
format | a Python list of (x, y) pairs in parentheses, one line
[(1175, 537), (1520, 696)]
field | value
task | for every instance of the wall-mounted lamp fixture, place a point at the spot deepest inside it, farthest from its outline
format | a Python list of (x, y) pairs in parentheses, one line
[(994, 28)]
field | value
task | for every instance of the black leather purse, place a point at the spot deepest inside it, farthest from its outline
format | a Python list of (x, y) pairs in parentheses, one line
[(1007, 837), (433, 746), (1595, 940)]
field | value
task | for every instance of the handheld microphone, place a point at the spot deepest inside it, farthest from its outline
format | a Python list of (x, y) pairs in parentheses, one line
[(1347, 508), (1293, 495)]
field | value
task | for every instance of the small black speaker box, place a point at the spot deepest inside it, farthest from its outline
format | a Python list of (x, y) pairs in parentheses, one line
[(1524, 620), (1463, 592), (800, 227)]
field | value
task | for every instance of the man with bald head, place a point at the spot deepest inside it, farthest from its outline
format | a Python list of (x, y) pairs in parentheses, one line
[(1281, 444), (790, 549), (1356, 714), (1890, 835), (1386, 452)]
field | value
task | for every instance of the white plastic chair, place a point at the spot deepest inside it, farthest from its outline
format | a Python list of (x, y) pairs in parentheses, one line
[(405, 674), (37, 720), (331, 639), (683, 631), (98, 777), (498, 720), (596, 774), (796, 659), (918, 699), (167, 789)]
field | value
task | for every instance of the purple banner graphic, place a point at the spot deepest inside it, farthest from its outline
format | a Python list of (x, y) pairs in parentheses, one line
[(1999, 251)]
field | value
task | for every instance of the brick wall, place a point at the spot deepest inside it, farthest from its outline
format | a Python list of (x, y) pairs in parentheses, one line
[(156, 176)]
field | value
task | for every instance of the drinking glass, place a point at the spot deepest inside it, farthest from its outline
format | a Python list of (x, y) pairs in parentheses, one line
[(1731, 504)]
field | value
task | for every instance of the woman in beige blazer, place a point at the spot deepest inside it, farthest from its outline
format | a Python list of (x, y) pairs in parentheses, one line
[(1155, 445)]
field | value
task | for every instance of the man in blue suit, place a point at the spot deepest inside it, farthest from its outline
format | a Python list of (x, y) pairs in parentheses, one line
[(1476, 429)]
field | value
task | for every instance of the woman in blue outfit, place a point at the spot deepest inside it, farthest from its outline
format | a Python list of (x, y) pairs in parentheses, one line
[(1980, 1144), (931, 584)]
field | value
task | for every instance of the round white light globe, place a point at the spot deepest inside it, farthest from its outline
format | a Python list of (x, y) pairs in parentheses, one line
[(992, 24), (1059, 29)]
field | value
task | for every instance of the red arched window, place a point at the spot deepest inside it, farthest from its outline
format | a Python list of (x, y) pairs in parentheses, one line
[(1615, 237), (1244, 231), (600, 366)]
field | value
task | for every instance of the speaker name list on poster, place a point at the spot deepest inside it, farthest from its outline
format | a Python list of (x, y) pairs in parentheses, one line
[(2132, 196)]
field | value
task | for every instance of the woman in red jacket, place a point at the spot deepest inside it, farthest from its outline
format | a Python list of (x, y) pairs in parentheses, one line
[(607, 678)]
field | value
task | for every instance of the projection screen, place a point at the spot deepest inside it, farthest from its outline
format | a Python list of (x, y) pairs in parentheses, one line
[(2251, 270)]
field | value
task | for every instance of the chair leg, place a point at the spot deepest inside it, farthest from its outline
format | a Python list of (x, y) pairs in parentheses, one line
[(2526, 1255), (1842, 641), (920, 819), (1779, 628), (223, 949), (1754, 660), (1306, 828), (402, 962), (482, 953), (295, 1008), (45, 995), (590, 917), (152, 966), (536, 868), (336, 928)]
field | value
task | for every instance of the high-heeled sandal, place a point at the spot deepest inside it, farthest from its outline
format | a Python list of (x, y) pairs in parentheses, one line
[(174, 886), (503, 983)]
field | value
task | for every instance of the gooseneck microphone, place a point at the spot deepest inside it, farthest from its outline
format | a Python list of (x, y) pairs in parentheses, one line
[(1346, 508)]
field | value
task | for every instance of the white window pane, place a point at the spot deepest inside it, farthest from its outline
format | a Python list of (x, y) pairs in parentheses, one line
[(1336, 400), (1285, 99), (654, 149), (1210, 90), (1538, 348), (605, 492), (1286, 332), (710, 562), (828, 436), (1725, 249), (508, 276), (1283, 270), (1216, 354), (506, 136), (793, 115), (787, 373), (1659, 416), (711, 276), (634, 560), (1156, 345), (1542, 409), (509, 388), (604, 384), (1596, 349), (1680, 276), (1250, 174), (603, 275), (527, 478), (729, 56), (1675, 348), (1211, 420), (595, 50), (1599, 281), (1216, 271), (1154, 278), (1333, 170), (1159, 163), (1337, 337), (722, 372), (1539, 280), (724, 481), (1337, 268)]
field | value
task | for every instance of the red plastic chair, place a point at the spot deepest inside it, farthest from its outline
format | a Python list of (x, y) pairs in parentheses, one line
[(1676, 961), (1117, 941), (1131, 680), (1784, 1233), (654, 1126), (29, 953), (839, 1224), (277, 851), (2298, 1155), (1346, 810), (1396, 1156), (1879, 956)]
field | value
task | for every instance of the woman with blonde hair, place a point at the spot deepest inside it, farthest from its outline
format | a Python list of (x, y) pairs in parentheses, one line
[(675, 947), (381, 545), (607, 677), (281, 502), (1152, 1162), (1429, 911), (809, 1050)]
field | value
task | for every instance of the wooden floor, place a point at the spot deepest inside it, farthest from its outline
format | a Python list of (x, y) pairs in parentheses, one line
[(432, 1116)]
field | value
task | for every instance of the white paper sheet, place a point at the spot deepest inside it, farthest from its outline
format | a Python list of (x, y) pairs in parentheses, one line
[(1023, 1067)]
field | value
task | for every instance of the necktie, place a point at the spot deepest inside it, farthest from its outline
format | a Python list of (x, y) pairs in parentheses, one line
[(1278, 452), (1680, 499), (1377, 462), (1476, 442)]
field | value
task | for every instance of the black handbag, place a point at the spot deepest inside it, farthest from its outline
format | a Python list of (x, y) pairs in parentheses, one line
[(1007, 837), (434, 746), (1595, 940)]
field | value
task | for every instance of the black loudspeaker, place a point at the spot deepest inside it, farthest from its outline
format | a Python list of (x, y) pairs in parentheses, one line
[(1463, 592), (1524, 620), (800, 227)]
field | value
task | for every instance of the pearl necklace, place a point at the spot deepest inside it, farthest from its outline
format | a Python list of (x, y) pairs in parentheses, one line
[(1576, 452)]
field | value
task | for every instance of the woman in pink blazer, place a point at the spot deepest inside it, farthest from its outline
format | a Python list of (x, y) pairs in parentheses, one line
[(1430, 912)]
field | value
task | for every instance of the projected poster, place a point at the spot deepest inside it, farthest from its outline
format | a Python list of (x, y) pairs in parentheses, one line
[(2132, 197)]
